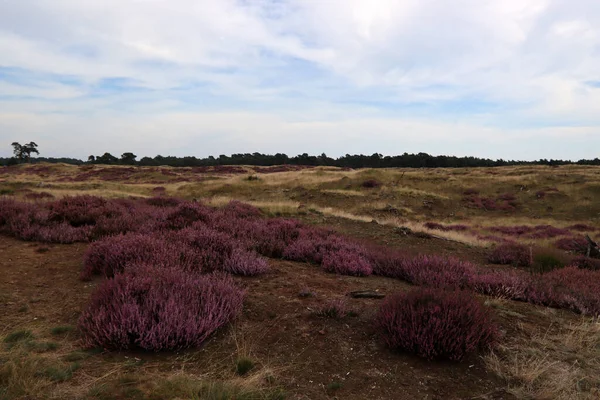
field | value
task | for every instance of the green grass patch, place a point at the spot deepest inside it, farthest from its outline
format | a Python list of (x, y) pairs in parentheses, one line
[(62, 330), (61, 373), (18, 336), (243, 365)]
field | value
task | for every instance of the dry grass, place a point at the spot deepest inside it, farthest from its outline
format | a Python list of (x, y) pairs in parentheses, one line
[(344, 192), (562, 362)]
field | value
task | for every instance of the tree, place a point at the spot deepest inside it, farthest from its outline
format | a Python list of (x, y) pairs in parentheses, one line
[(128, 158), (23, 152), (106, 158), (91, 158)]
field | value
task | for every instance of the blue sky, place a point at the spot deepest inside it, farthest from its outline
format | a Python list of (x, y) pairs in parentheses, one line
[(512, 79)]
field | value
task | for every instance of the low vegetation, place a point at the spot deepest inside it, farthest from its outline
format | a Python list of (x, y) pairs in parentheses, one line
[(434, 323), (168, 273)]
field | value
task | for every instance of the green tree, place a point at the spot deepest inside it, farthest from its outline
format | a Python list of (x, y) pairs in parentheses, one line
[(23, 151), (128, 158)]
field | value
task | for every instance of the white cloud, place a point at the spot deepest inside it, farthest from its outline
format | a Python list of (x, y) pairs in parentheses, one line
[(523, 62)]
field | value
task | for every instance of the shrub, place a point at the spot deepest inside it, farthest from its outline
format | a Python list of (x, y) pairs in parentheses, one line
[(246, 263), (510, 253), (581, 228), (386, 261), (547, 231), (371, 183), (18, 336), (114, 254), (586, 263), (218, 251), (241, 210), (346, 262), (161, 201), (243, 366), (503, 284), (437, 271), (577, 244), (62, 373), (436, 324), (158, 309), (62, 330), (186, 214), (570, 287), (337, 308), (547, 261)]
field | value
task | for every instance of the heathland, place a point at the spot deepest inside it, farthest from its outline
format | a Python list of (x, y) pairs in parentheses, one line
[(235, 282)]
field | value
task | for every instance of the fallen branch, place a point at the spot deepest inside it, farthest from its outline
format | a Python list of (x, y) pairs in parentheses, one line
[(366, 294)]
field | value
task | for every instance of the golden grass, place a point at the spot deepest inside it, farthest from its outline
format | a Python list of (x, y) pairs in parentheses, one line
[(563, 363), (344, 192)]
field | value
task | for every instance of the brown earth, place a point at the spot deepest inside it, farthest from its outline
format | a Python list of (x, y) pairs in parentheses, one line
[(309, 356)]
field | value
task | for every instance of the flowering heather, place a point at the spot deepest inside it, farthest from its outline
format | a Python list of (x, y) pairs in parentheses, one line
[(511, 253), (158, 309), (581, 228), (346, 262), (511, 285), (219, 169), (534, 232), (513, 230), (438, 271), (186, 214), (116, 254), (547, 231), (503, 203), (163, 201), (586, 263), (507, 197), (436, 324), (241, 210), (570, 288), (387, 261), (245, 263), (218, 251), (577, 244)]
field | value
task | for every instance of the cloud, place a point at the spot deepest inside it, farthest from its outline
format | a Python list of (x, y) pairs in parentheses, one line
[(350, 74)]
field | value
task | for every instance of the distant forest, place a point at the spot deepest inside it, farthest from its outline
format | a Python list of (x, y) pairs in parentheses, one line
[(420, 160)]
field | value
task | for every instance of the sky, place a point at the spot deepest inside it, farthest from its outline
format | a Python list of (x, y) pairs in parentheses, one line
[(510, 79)]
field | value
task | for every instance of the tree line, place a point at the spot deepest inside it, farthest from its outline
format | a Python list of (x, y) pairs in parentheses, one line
[(376, 160)]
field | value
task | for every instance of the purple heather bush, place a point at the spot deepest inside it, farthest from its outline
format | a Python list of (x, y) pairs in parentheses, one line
[(438, 271), (436, 323), (161, 201), (186, 214), (346, 262), (577, 244), (116, 254), (586, 263), (386, 261), (511, 253), (511, 285), (570, 288), (158, 309), (581, 228)]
